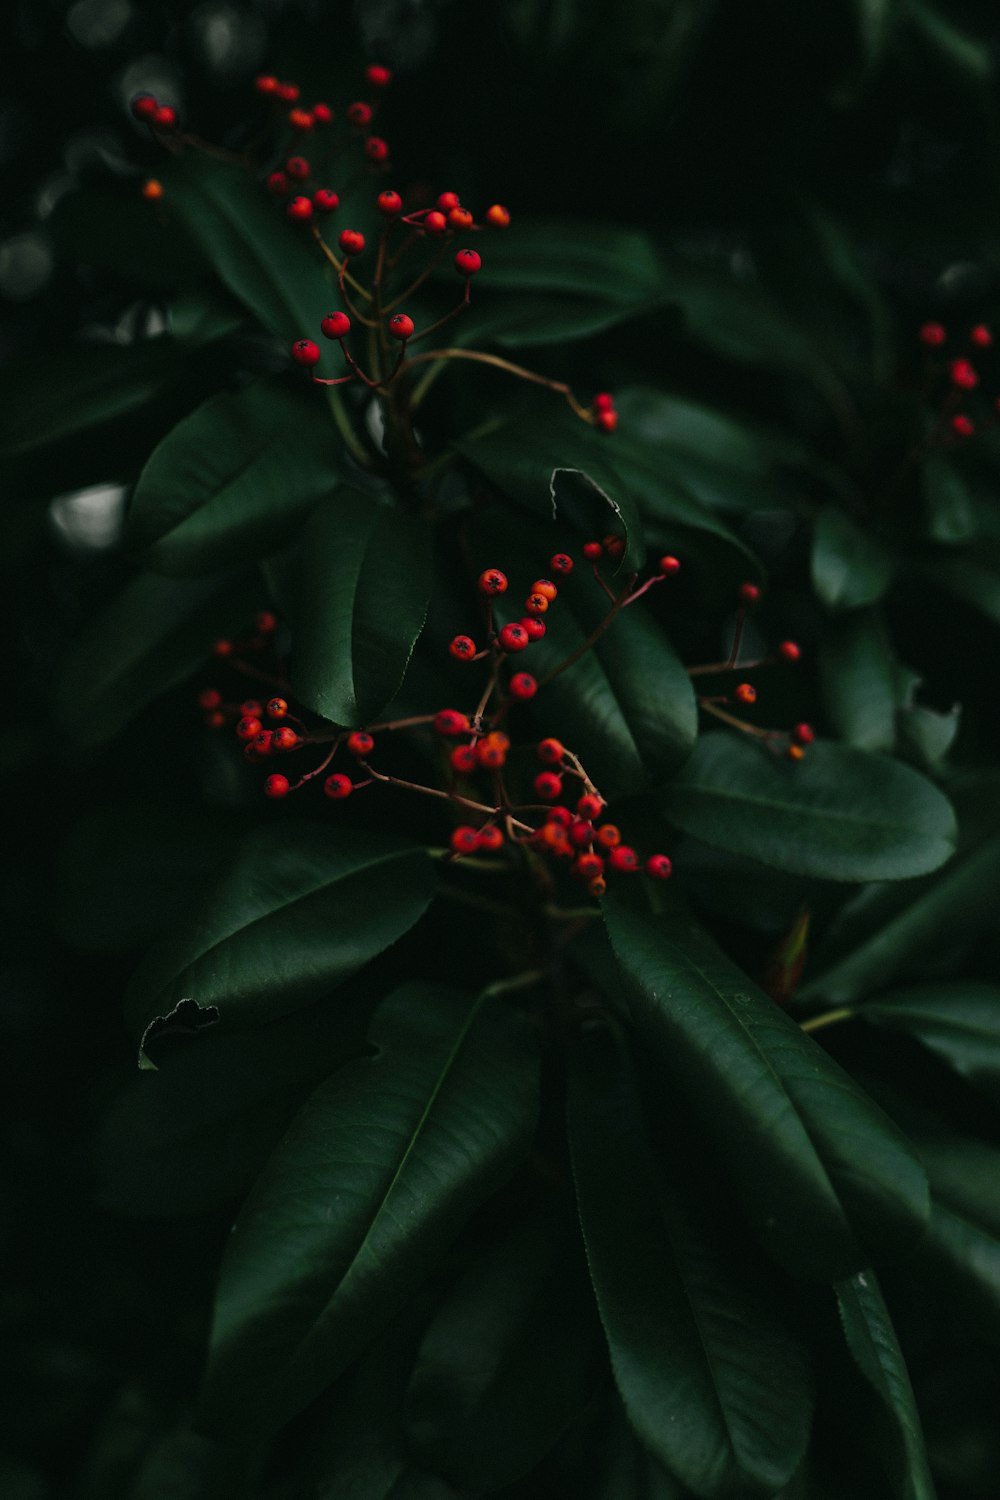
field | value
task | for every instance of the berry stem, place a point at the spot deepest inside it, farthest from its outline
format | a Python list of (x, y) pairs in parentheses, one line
[(460, 307), (431, 791), (415, 285), (734, 649), (731, 719), (560, 387), (707, 668), (343, 274), (828, 1018), (592, 638), (346, 430)]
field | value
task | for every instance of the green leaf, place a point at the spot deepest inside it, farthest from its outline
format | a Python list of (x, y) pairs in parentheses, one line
[(968, 57), (151, 637), (229, 481), (826, 1180), (875, 20), (529, 321), (958, 1266), (839, 814), (872, 1341), (849, 567), (86, 386), (957, 1020), (377, 1174), (509, 1359), (863, 682), (949, 507), (712, 1378), (301, 908), (600, 261), (974, 577), (358, 605), (571, 488)]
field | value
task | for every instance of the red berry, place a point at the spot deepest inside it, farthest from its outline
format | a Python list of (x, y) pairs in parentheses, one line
[(464, 840), (390, 204), (447, 201), (359, 114), (463, 648), (795, 752), (658, 866), (222, 648), (251, 709), (464, 758), (338, 786), (536, 604), (534, 626), (376, 149), (297, 167), (262, 742), (209, 698), (962, 426), (165, 118), (248, 728), (277, 183), (300, 210), (305, 352), (360, 742), (322, 114), (981, 335), (400, 327), (588, 866), (460, 218), (276, 786), (607, 421), (963, 374), (492, 581), (467, 262), (614, 546), (498, 216), (285, 739), (745, 693), (152, 189), (590, 806), (523, 685), (592, 550), (277, 708), (544, 587), (497, 737), (932, 334), (287, 92), (266, 83), (378, 76), (789, 651), (449, 721), (669, 565), (266, 622), (560, 815), (548, 785), (336, 325), (435, 223), (603, 401), (513, 638), (351, 241), (550, 751), (804, 734), (623, 858), (144, 106), (561, 563), (491, 756), (300, 119), (490, 838), (608, 836), (581, 832), (325, 201), (749, 593)]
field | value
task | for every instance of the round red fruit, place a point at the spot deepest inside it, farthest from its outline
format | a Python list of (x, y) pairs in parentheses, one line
[(746, 693), (360, 742), (262, 742), (165, 118), (550, 751), (749, 593), (277, 708), (297, 167), (276, 786), (450, 722), (489, 838), (322, 114), (790, 651), (248, 728), (144, 106), (603, 401), (266, 622), (659, 867), (804, 734), (623, 858), (464, 840), (300, 210), (467, 262), (498, 216), (447, 201), (589, 866), (513, 638), (534, 626), (336, 325), (359, 114), (981, 336), (285, 739), (590, 806), (338, 786), (435, 223), (490, 756), (209, 698), (222, 648), (492, 581), (266, 83), (561, 563), (963, 374), (287, 92), (305, 352), (962, 426), (325, 201), (463, 648), (545, 587), (278, 184), (548, 785), (351, 241), (300, 119), (390, 204), (378, 76), (560, 815), (460, 218), (581, 832), (463, 759), (669, 565), (607, 421), (608, 836), (932, 334), (592, 550), (536, 604), (400, 327), (376, 149), (523, 686), (251, 709)]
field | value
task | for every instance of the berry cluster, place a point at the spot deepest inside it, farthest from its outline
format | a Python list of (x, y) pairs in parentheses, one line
[(956, 380)]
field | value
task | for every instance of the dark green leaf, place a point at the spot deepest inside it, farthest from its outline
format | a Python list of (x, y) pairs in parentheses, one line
[(364, 578), (228, 482), (712, 1378), (863, 682), (839, 814), (974, 577), (960, 1021), (958, 1266), (600, 261), (377, 1174), (849, 567), (301, 908), (872, 1340), (823, 1176), (925, 735), (949, 506)]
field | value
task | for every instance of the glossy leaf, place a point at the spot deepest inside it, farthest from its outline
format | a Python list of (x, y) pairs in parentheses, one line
[(849, 567), (824, 1177), (358, 604), (872, 1341), (374, 1179), (602, 262), (974, 577), (957, 1020), (958, 1264), (949, 506), (229, 481), (839, 814), (300, 908), (712, 1378), (863, 682)]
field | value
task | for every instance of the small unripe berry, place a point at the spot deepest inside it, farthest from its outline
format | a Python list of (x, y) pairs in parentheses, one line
[(322, 114), (932, 334), (460, 218), (489, 838), (467, 262), (789, 651), (300, 119), (359, 114), (669, 565), (550, 751), (266, 83), (548, 785), (981, 336), (447, 201), (338, 786), (658, 866), (746, 693), (360, 742), (492, 581), (278, 184), (285, 739), (305, 352), (463, 648), (749, 593), (165, 118), (598, 886), (276, 786), (962, 426), (795, 752), (336, 325), (351, 241), (804, 734), (534, 626), (325, 201), (152, 189), (376, 149), (300, 210), (592, 550), (248, 728), (287, 92), (209, 698), (608, 836), (589, 806), (277, 708), (536, 604), (606, 421), (449, 721), (297, 167), (513, 638), (144, 106), (963, 374), (400, 327), (463, 759), (561, 563), (498, 216), (545, 587), (623, 858), (464, 840), (378, 76), (266, 622), (523, 686), (390, 204), (588, 866), (435, 223)]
